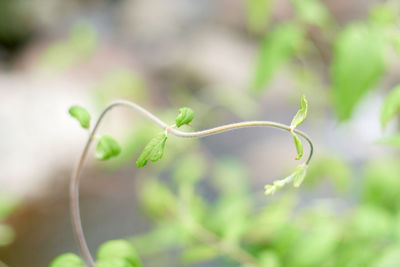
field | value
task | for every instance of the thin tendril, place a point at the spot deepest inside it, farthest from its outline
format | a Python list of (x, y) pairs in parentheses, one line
[(76, 177)]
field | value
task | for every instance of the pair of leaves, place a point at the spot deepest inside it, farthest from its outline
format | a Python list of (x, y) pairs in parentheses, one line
[(298, 119), (154, 150), (297, 177), (107, 147), (114, 253), (358, 64)]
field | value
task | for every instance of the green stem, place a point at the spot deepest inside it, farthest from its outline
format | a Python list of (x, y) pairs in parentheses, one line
[(76, 177)]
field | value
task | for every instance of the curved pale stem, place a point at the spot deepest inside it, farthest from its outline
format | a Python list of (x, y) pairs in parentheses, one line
[(74, 185)]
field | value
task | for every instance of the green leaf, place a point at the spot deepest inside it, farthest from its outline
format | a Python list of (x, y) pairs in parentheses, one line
[(358, 64), (299, 174), (117, 250), (277, 48), (301, 114), (81, 114), (299, 146), (67, 260), (185, 116), (153, 151), (391, 106), (107, 147)]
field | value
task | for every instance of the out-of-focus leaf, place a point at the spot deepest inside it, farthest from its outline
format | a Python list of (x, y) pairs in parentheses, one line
[(315, 245), (199, 253), (153, 151), (230, 177), (258, 14), (120, 250), (271, 220), (371, 223), (396, 43), (329, 167), (393, 140), (7, 235), (382, 184), (67, 260), (81, 114), (358, 64), (277, 48), (166, 235), (391, 106), (269, 258), (185, 116), (191, 169), (120, 83), (389, 258), (79, 46), (157, 199), (312, 12), (107, 147), (231, 218), (383, 14)]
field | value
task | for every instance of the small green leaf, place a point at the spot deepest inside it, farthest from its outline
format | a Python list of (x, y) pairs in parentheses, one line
[(299, 174), (118, 251), (301, 114), (81, 114), (185, 116), (67, 260), (357, 66), (106, 148), (153, 151), (391, 106), (299, 146)]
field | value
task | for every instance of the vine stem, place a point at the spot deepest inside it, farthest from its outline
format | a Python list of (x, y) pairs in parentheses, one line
[(76, 177)]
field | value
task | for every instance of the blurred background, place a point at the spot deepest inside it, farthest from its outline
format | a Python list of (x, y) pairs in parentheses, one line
[(229, 61)]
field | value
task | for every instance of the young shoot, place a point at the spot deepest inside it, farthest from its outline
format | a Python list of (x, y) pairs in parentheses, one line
[(107, 148)]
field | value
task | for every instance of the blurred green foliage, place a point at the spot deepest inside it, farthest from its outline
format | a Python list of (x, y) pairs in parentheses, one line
[(208, 211), (78, 46)]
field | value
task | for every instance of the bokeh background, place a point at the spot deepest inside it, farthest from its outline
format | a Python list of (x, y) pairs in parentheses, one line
[(229, 61)]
